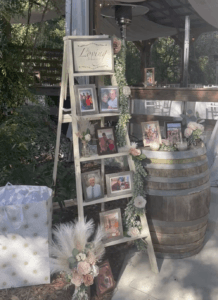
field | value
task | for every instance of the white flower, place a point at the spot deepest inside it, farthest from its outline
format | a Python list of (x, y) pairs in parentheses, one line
[(200, 127), (138, 223), (139, 202), (88, 137), (95, 270), (133, 231), (78, 257), (133, 145), (192, 125), (188, 132), (83, 256)]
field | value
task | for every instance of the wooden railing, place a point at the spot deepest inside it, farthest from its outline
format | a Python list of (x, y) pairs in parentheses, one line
[(44, 65)]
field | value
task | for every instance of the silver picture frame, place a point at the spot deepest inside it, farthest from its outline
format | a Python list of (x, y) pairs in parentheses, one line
[(119, 183)]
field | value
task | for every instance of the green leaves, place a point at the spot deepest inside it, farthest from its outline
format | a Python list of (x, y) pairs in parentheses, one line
[(75, 252), (72, 262)]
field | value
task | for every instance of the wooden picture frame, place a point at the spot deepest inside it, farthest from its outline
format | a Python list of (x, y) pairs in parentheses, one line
[(108, 99), (111, 222), (149, 76), (151, 133), (173, 131), (93, 55), (104, 281), (106, 141), (119, 183), (86, 99), (92, 185)]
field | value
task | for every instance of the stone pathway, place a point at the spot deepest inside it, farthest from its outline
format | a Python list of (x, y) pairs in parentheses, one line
[(193, 278)]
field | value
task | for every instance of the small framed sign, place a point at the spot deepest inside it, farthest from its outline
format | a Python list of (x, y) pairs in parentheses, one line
[(93, 55)]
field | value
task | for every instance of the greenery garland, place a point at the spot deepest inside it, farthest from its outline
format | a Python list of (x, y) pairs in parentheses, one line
[(120, 71), (136, 206)]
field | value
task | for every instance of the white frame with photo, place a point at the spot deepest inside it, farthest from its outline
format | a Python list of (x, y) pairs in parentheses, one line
[(103, 90), (158, 140), (111, 193), (79, 89), (84, 183), (120, 227)]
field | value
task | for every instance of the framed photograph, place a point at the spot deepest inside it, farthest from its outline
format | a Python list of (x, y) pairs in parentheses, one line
[(119, 183), (151, 133), (173, 131), (106, 141), (108, 99), (93, 55), (86, 99), (92, 185), (105, 280), (111, 222), (149, 76)]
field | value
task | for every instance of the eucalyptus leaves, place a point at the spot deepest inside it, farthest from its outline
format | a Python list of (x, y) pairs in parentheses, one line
[(120, 70)]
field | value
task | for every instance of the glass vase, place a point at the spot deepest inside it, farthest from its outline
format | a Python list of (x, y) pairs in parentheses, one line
[(85, 150)]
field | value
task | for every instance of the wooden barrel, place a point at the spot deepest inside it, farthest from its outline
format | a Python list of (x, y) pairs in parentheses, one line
[(178, 199)]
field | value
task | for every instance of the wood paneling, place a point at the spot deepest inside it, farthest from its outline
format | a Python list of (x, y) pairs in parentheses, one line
[(176, 94)]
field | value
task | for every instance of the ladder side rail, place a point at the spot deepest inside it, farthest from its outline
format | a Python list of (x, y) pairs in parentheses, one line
[(102, 170), (60, 114), (74, 137)]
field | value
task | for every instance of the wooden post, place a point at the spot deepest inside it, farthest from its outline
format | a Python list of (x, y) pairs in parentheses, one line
[(186, 51), (186, 57)]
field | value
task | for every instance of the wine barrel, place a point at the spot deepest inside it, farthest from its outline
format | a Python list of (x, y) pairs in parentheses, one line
[(178, 199)]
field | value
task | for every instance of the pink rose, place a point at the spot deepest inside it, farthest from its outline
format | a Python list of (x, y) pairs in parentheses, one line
[(133, 232), (79, 135), (83, 268), (192, 125), (134, 151), (188, 132), (91, 259), (88, 279), (76, 279)]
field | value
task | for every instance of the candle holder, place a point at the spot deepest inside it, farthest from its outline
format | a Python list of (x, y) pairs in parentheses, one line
[(183, 145), (154, 146)]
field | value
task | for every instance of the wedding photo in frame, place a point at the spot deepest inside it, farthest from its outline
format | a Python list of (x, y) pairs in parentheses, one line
[(92, 185), (86, 99), (173, 131), (106, 141), (119, 183), (151, 133), (108, 99), (111, 222), (93, 55), (104, 281)]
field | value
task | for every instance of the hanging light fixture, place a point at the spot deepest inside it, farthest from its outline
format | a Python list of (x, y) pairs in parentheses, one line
[(123, 14)]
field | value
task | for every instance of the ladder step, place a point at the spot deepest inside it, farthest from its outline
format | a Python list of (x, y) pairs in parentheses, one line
[(107, 199), (95, 157), (124, 240)]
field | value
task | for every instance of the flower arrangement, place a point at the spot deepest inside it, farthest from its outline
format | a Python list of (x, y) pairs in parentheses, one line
[(136, 153), (193, 132), (136, 206), (75, 256), (85, 130)]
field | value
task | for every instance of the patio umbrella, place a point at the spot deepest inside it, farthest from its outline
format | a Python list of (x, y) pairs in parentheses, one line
[(207, 9)]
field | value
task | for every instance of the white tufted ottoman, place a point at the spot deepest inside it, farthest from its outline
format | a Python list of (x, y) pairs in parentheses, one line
[(25, 232)]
